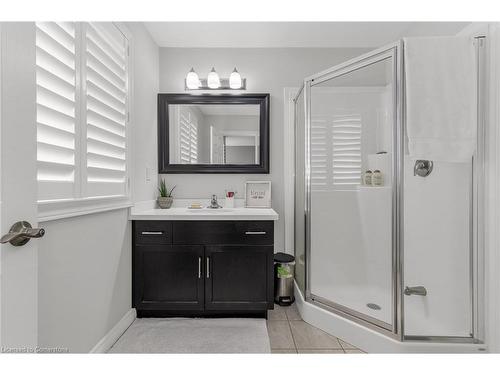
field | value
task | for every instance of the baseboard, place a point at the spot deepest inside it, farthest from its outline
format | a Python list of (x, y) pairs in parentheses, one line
[(114, 333)]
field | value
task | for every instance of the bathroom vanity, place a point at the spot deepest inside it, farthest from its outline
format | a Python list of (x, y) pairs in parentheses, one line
[(203, 262)]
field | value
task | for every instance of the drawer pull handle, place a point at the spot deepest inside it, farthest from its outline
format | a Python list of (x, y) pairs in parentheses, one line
[(208, 268), (255, 232), (148, 233), (199, 267)]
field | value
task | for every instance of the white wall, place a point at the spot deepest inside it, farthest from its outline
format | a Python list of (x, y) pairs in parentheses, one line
[(84, 279), (268, 70), (144, 115), (85, 262)]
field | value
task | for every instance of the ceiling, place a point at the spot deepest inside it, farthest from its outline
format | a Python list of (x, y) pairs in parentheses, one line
[(292, 34)]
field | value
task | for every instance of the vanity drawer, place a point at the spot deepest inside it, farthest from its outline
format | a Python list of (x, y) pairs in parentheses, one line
[(153, 232), (224, 232)]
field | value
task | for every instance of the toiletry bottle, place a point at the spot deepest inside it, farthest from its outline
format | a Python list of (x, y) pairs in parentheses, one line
[(377, 178), (368, 178)]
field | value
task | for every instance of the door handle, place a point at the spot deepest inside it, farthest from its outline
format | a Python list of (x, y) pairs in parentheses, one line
[(20, 233), (199, 267), (415, 290), (255, 232), (150, 233), (208, 267)]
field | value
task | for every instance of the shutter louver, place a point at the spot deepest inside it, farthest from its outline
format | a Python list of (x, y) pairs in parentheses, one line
[(56, 109), (106, 110)]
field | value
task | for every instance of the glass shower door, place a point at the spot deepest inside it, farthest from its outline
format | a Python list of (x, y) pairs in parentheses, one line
[(351, 190)]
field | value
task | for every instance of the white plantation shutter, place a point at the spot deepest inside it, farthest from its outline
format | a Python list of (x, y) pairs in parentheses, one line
[(106, 109), (56, 109), (194, 140), (346, 150), (184, 138), (188, 137), (82, 110), (335, 152), (319, 154)]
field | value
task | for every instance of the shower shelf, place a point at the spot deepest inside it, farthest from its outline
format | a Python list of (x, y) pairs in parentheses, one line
[(365, 187)]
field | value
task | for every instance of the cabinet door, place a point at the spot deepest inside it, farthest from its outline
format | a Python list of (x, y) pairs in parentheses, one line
[(238, 278), (168, 277)]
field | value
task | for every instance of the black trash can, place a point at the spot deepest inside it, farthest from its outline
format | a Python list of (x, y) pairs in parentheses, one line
[(284, 272)]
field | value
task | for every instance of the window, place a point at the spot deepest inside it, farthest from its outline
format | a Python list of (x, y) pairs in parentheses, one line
[(82, 111), (56, 109), (346, 150), (188, 137), (335, 152)]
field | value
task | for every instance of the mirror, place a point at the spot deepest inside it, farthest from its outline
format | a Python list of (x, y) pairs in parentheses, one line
[(213, 133)]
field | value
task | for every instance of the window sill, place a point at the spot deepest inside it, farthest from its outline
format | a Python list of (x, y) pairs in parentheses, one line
[(62, 209)]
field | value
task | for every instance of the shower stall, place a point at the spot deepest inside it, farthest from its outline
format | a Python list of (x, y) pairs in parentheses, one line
[(391, 250)]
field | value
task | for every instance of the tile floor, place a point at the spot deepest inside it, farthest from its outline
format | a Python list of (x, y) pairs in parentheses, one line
[(288, 333)]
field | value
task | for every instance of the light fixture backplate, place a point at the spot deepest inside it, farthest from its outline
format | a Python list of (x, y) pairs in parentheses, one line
[(224, 85)]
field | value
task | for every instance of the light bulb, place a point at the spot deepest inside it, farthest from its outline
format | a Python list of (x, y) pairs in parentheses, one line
[(192, 80), (213, 80), (235, 80)]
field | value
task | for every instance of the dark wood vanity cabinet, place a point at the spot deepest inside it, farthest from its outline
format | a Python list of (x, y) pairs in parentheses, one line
[(199, 268), (240, 278), (167, 277)]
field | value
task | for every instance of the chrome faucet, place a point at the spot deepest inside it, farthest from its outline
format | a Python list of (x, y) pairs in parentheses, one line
[(214, 203)]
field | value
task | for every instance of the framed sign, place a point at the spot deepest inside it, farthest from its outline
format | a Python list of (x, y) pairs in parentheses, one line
[(258, 194)]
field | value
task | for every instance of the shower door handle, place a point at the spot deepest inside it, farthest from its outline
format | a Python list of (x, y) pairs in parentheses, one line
[(415, 290)]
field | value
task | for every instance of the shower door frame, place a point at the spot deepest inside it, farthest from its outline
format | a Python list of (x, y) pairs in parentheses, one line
[(393, 51)]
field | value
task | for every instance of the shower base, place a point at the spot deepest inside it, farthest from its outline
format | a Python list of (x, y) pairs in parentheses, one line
[(367, 300)]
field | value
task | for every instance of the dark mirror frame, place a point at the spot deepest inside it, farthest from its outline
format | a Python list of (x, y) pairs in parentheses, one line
[(164, 100)]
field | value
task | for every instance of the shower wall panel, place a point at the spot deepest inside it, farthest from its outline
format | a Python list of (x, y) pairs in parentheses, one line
[(437, 242)]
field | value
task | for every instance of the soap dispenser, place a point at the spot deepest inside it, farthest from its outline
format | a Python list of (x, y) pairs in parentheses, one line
[(377, 178), (367, 178)]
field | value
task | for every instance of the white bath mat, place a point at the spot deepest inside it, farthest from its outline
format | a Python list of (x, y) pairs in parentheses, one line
[(180, 335)]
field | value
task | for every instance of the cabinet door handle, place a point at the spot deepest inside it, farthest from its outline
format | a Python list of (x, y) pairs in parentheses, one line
[(199, 267), (149, 233), (208, 267), (250, 232)]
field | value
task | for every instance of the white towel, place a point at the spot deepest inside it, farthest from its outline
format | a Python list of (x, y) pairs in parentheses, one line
[(440, 98)]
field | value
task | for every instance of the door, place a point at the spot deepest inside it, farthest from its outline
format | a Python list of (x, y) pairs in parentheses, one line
[(351, 133), (238, 278), (168, 277), (18, 264)]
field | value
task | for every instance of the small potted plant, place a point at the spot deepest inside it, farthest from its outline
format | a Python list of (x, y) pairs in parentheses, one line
[(165, 199)]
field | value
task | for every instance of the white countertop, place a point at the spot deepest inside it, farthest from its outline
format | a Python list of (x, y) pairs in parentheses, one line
[(183, 213)]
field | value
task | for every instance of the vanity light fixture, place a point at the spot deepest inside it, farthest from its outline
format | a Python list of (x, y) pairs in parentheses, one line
[(192, 80), (214, 82)]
